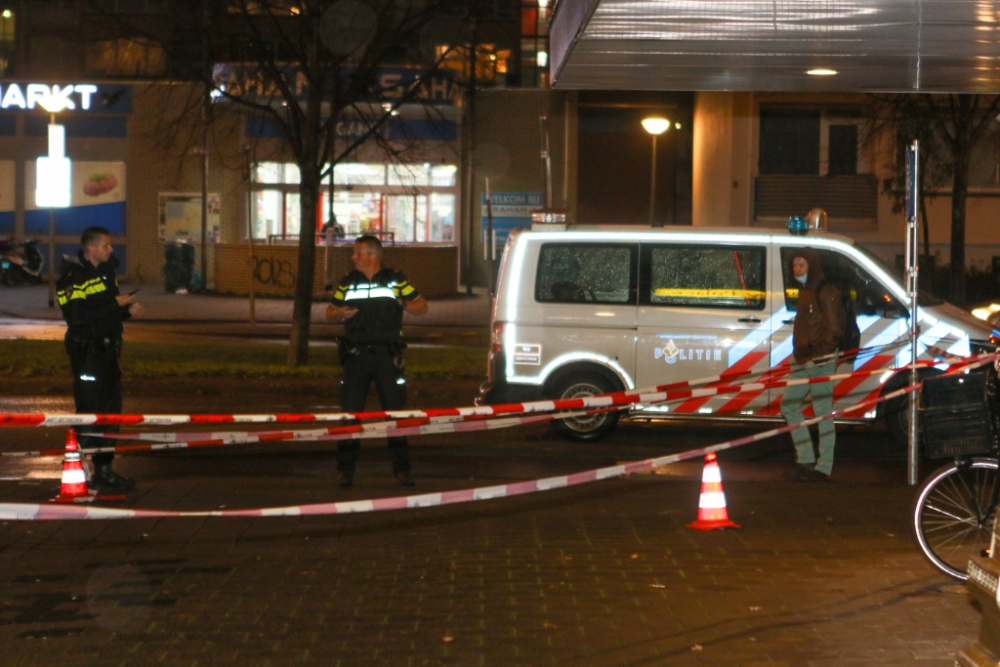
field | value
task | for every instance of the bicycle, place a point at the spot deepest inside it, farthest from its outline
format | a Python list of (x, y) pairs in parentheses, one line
[(955, 508)]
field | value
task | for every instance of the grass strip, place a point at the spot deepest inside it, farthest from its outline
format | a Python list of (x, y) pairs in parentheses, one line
[(243, 359)]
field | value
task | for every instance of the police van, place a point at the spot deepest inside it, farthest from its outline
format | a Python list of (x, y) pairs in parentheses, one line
[(584, 310)]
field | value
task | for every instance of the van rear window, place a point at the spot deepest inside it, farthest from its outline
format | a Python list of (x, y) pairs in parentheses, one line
[(586, 273), (704, 276)]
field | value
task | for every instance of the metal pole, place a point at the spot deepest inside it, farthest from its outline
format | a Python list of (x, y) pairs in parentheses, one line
[(489, 240), (652, 186), (546, 161), (52, 258), (912, 269)]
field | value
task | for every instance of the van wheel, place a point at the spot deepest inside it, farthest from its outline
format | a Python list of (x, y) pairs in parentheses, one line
[(587, 428)]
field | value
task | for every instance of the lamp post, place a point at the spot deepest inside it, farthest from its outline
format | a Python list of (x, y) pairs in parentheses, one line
[(655, 125)]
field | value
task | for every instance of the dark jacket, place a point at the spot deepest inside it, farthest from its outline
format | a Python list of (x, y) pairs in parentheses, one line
[(380, 315), (86, 295), (819, 322)]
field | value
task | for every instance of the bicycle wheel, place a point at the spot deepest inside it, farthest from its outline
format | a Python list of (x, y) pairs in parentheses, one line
[(953, 514)]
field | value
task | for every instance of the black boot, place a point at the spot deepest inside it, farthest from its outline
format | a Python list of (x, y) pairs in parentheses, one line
[(106, 479)]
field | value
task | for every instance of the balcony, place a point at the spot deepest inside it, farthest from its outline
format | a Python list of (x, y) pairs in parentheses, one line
[(850, 201)]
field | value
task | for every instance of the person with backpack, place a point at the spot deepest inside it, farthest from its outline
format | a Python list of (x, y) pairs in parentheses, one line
[(817, 333)]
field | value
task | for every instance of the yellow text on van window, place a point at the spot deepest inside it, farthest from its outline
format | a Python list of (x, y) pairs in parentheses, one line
[(710, 293)]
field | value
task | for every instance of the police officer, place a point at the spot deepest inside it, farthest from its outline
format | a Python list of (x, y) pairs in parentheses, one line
[(370, 302), (94, 310)]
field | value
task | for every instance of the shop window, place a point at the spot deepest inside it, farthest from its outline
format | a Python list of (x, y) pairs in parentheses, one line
[(582, 273), (359, 173), (443, 176), (277, 173), (700, 276), (409, 174)]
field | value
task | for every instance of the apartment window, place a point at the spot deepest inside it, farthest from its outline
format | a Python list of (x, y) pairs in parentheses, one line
[(789, 142)]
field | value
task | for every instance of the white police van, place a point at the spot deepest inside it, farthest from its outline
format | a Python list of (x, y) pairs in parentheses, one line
[(583, 310)]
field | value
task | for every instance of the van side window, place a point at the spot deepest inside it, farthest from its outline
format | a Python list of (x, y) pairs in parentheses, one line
[(704, 276), (586, 273), (848, 277)]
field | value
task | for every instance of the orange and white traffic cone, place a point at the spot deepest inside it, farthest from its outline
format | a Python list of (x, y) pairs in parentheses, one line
[(712, 514), (74, 481)]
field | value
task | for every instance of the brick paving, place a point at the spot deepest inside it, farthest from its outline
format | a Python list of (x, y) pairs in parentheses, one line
[(599, 575), (604, 575)]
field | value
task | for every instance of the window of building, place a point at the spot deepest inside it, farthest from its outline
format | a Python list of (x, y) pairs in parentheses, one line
[(400, 203), (124, 57), (535, 43), (704, 276), (789, 142), (586, 273), (843, 149)]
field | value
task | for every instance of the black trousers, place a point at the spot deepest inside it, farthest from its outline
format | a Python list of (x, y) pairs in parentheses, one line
[(97, 388), (360, 370)]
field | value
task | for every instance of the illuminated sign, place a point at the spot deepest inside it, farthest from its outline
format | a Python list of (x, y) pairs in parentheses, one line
[(388, 84), (54, 173), (51, 98), (57, 97)]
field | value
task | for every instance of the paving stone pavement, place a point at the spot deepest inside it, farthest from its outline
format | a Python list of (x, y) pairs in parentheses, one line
[(604, 574)]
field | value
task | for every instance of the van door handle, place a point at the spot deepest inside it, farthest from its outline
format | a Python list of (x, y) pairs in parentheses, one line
[(791, 321), (749, 319)]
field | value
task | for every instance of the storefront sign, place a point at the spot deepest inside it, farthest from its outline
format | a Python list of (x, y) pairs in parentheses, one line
[(510, 211), (15, 96), (390, 83)]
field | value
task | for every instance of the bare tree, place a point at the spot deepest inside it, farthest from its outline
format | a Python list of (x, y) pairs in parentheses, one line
[(303, 66), (948, 127)]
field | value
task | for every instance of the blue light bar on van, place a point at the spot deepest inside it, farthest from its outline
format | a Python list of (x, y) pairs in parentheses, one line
[(798, 225)]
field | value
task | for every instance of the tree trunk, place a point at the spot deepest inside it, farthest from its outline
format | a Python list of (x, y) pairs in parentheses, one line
[(298, 341), (959, 193), (310, 167)]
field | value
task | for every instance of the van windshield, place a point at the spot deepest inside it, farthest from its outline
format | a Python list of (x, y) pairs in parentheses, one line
[(925, 298)]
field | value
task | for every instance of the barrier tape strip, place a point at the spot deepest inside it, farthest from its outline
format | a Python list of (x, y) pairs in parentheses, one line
[(377, 429), (49, 512), (39, 512), (607, 400), (399, 427)]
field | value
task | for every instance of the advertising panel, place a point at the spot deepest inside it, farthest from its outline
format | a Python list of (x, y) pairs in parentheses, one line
[(97, 198)]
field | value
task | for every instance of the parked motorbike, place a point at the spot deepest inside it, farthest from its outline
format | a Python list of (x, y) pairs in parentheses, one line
[(20, 264)]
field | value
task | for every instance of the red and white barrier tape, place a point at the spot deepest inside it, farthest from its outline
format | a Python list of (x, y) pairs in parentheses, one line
[(655, 394), (39, 512)]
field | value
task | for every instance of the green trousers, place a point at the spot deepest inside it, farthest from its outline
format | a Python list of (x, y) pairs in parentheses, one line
[(822, 402)]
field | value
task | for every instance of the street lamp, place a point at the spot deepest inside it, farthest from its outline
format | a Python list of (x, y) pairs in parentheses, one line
[(655, 125)]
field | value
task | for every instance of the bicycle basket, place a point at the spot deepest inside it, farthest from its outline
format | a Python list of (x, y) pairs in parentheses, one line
[(955, 416)]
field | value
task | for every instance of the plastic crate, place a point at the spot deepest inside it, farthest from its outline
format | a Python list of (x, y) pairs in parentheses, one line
[(955, 416)]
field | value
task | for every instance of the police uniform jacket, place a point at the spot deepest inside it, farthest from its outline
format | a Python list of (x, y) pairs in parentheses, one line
[(86, 295), (380, 317)]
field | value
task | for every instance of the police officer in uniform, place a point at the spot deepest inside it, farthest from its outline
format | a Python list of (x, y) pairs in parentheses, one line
[(370, 302), (94, 310)]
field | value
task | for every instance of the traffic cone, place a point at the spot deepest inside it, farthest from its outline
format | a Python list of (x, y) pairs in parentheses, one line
[(712, 513), (74, 481)]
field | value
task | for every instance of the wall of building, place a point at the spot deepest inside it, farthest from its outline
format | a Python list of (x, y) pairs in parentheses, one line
[(720, 178), (507, 149), (431, 269)]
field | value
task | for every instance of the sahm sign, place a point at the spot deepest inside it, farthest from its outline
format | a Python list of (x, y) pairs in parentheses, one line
[(510, 211)]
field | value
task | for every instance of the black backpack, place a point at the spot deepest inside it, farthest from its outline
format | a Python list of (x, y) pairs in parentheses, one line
[(850, 337)]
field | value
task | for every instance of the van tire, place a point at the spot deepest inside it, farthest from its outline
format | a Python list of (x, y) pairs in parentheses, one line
[(588, 428)]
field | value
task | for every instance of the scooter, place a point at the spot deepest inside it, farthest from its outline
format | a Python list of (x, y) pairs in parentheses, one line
[(20, 264)]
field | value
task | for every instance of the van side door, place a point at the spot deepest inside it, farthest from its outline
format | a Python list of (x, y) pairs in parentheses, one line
[(881, 319), (701, 309)]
